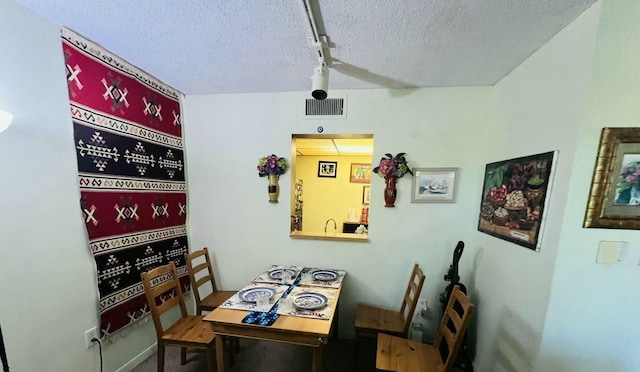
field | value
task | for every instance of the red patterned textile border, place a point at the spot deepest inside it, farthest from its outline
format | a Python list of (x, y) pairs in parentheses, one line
[(128, 139)]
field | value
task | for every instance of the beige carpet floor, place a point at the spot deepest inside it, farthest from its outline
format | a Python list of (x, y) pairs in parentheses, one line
[(264, 356)]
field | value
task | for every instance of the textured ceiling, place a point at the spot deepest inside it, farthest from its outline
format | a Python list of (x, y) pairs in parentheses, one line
[(240, 46)]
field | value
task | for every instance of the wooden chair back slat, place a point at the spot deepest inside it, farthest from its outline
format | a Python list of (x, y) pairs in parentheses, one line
[(167, 304), (201, 266), (163, 288), (199, 282)]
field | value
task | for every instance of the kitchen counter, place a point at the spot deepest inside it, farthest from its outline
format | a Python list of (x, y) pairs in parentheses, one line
[(350, 227), (331, 235)]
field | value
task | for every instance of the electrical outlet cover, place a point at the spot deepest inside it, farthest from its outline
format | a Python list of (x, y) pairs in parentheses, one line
[(90, 334)]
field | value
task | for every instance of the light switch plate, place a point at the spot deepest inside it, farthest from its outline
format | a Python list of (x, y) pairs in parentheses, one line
[(609, 252)]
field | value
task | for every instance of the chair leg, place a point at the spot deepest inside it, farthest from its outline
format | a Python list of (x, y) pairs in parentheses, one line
[(183, 355), (160, 357)]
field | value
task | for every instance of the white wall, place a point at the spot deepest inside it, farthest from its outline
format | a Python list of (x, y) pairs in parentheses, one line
[(229, 212), (539, 108), (47, 273), (558, 310), (593, 322)]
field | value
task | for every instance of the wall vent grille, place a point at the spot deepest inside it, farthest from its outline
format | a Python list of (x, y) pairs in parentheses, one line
[(330, 108)]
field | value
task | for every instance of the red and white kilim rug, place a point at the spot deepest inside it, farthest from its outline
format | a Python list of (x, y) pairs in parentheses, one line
[(128, 139)]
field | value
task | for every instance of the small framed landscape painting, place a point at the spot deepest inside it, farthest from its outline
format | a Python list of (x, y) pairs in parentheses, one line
[(434, 185), (327, 168)]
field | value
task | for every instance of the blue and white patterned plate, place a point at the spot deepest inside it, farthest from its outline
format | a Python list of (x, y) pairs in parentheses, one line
[(324, 275), (310, 301), (277, 273), (249, 295)]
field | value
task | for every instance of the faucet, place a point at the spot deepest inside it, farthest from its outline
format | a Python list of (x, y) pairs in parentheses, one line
[(326, 223)]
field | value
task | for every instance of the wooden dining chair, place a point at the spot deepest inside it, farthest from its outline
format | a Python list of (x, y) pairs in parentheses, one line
[(403, 355), (201, 273), (371, 320), (162, 288)]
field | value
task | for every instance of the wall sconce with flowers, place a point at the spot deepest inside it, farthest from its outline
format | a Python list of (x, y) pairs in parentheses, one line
[(272, 166), (391, 168)]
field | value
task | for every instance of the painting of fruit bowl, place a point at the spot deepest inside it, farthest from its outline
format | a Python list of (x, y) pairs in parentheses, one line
[(514, 198)]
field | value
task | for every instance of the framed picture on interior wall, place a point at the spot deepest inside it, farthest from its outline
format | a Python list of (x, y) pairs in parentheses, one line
[(327, 168), (514, 198), (360, 173), (614, 198), (434, 185), (366, 194)]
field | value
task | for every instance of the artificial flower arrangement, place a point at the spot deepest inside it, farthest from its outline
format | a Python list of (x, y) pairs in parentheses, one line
[(395, 166), (629, 184), (271, 164)]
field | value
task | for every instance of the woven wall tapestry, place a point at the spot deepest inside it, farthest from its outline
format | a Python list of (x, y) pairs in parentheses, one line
[(128, 139)]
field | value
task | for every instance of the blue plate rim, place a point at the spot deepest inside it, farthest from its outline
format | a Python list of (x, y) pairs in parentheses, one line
[(312, 294), (314, 272), (243, 291), (293, 273)]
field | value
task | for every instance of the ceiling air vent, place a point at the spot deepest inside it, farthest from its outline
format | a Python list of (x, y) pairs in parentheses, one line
[(330, 108)]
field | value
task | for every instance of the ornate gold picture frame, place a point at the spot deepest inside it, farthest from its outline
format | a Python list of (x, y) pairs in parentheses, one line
[(614, 198)]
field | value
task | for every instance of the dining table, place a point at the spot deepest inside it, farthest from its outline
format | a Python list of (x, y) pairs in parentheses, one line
[(303, 310)]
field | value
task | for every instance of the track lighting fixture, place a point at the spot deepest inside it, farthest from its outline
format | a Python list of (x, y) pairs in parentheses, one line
[(320, 77), (320, 82), (5, 119)]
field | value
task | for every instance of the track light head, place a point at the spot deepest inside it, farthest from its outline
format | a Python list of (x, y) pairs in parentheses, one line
[(320, 82), (5, 119)]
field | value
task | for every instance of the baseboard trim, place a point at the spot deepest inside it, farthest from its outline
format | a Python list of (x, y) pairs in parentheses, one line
[(133, 363)]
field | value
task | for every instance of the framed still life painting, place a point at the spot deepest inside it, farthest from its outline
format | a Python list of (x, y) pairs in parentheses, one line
[(614, 197), (514, 197)]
